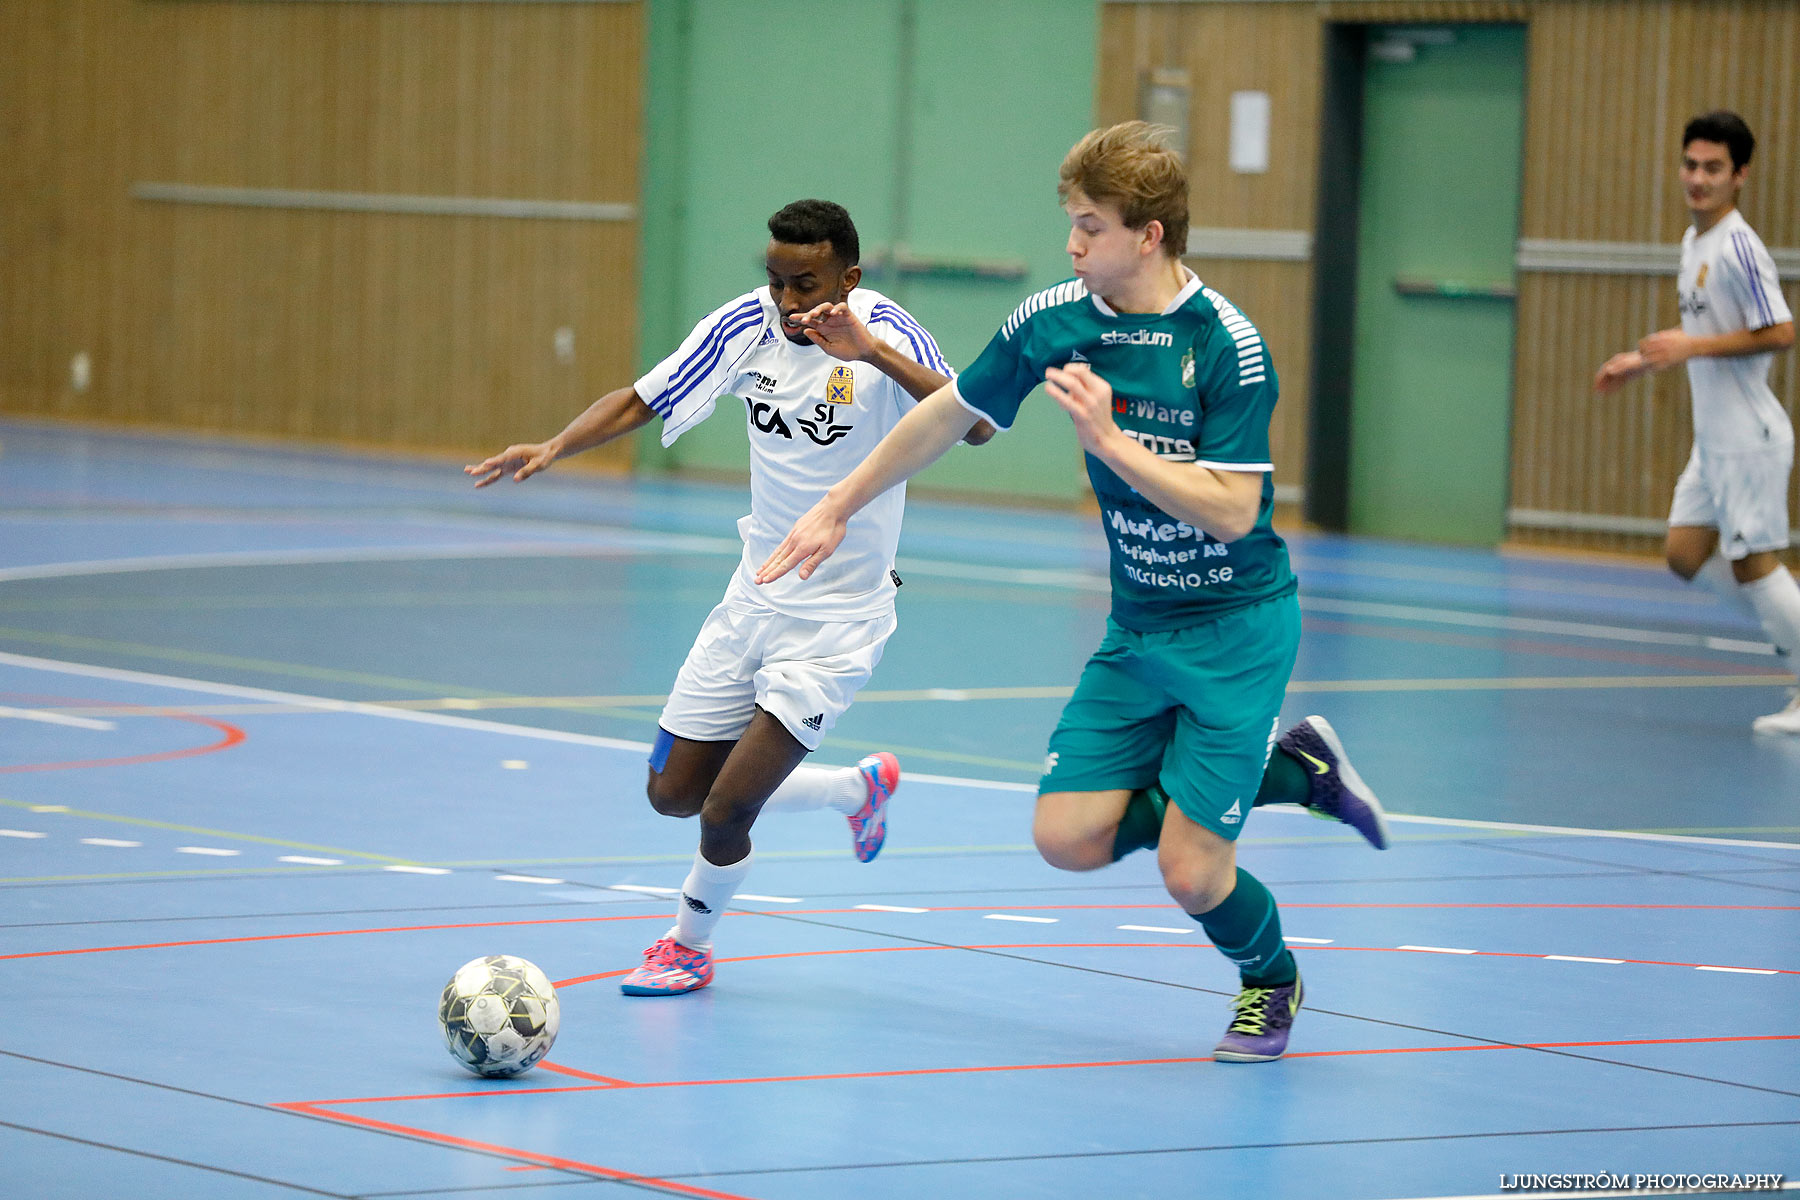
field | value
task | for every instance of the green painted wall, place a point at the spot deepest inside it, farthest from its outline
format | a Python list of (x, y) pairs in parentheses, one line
[(1443, 140), (939, 125)]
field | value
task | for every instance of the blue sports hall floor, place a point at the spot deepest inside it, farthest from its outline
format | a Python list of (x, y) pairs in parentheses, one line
[(287, 736)]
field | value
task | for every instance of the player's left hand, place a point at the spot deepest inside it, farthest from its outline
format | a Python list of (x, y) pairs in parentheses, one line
[(1666, 348), (1088, 399), (834, 329)]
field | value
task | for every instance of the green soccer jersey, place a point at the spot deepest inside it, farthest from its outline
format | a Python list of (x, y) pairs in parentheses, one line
[(1193, 384)]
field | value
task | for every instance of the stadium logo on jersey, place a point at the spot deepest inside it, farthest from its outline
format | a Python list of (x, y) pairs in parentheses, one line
[(1187, 368), (822, 426), (1700, 279), (767, 419), (840, 388), (1137, 337)]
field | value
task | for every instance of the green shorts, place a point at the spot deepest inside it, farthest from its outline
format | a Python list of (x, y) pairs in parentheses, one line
[(1196, 709)]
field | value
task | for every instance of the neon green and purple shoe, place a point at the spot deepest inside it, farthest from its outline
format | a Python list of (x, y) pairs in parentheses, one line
[(1259, 1030), (868, 824), (669, 969), (1338, 793)]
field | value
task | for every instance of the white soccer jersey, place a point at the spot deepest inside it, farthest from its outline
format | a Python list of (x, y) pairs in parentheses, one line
[(1728, 283), (812, 418)]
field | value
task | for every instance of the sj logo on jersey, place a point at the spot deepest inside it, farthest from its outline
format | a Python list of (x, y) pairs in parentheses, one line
[(840, 388)]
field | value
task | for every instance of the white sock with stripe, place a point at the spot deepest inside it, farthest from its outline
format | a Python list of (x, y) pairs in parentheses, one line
[(708, 890), (1776, 598), (810, 788)]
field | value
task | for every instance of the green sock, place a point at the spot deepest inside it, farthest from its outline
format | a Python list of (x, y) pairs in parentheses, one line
[(1141, 826), (1246, 928), (1284, 781)]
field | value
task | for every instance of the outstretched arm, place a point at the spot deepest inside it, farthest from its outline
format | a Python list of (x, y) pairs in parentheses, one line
[(1671, 347), (612, 415), (919, 440)]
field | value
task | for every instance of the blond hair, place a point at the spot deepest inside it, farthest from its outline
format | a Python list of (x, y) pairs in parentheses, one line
[(1131, 167)]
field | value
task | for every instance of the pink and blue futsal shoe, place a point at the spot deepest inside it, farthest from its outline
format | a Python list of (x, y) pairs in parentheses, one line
[(669, 969), (868, 824)]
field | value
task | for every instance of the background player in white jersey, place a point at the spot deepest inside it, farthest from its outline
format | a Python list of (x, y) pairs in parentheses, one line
[(825, 368), (1732, 496)]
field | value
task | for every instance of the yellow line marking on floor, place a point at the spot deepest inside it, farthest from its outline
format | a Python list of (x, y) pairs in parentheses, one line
[(147, 823)]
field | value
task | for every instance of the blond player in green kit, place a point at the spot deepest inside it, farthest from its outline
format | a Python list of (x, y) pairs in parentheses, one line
[(1172, 734)]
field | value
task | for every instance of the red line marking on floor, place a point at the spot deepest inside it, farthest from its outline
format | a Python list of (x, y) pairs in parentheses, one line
[(233, 735), (541, 1160), (559, 1069), (1064, 1066)]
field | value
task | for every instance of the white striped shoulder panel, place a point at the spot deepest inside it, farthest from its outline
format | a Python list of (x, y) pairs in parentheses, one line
[(1253, 361), (1062, 293)]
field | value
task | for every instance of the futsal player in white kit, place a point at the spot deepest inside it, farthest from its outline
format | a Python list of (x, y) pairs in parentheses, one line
[(824, 368), (1730, 503)]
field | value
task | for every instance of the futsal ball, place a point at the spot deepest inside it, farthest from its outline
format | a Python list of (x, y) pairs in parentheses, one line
[(499, 1015)]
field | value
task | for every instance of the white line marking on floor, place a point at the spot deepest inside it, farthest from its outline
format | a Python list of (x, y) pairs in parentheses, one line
[(643, 887), (1739, 970), (108, 842), (1308, 941), (49, 808), (528, 879), (308, 861), (21, 833), (212, 851), (769, 899), (405, 870), (51, 718), (1439, 950), (1021, 920), (515, 764), (1580, 958), (1155, 929), (899, 908)]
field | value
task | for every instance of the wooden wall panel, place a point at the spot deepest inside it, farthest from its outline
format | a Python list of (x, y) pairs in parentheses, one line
[(1611, 85), (404, 330), (1225, 48)]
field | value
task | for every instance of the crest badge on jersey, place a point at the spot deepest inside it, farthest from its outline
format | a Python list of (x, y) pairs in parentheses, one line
[(1700, 279), (840, 387), (1187, 368)]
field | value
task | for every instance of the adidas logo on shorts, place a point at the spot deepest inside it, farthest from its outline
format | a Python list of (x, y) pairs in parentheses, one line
[(817, 722)]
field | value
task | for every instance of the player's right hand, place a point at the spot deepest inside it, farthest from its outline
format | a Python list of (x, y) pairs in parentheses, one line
[(1619, 370), (810, 542), (523, 461)]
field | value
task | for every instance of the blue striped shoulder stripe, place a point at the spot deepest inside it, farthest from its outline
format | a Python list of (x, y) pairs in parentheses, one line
[(1062, 293), (1740, 246), (705, 357), (1252, 361), (924, 346)]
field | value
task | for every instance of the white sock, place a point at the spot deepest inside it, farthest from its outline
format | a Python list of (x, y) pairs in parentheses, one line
[(708, 890), (1776, 598), (1715, 576), (810, 788)]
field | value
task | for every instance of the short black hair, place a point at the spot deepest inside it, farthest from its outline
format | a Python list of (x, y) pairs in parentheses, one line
[(806, 222), (1727, 129)]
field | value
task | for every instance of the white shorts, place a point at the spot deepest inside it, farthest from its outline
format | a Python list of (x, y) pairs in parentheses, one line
[(1742, 494), (803, 673)]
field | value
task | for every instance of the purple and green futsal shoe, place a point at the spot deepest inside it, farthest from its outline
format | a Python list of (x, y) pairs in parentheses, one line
[(1337, 791)]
